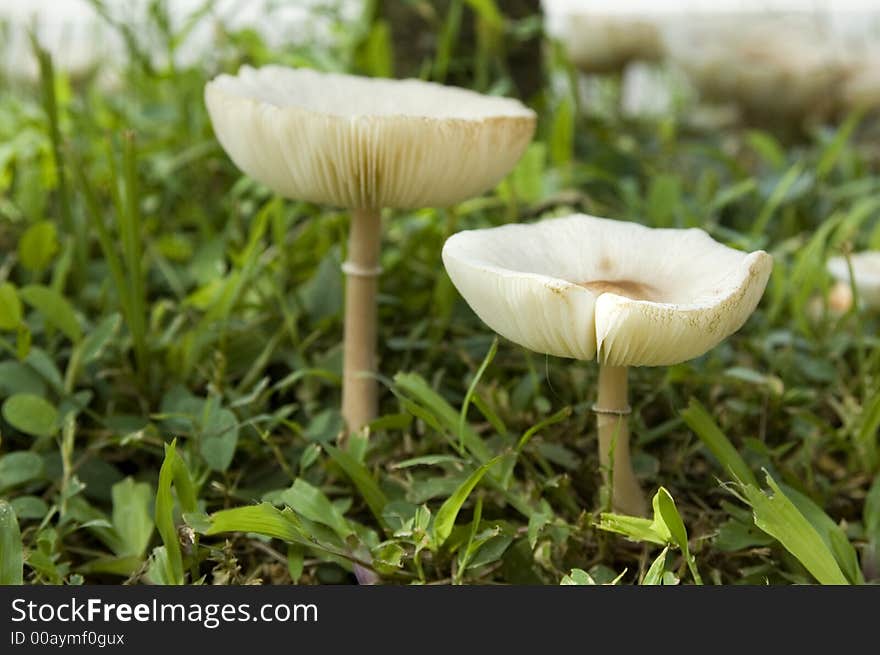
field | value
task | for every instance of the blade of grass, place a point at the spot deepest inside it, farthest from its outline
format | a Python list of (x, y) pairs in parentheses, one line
[(833, 150), (164, 515), (654, 575), (131, 236), (775, 199), (777, 516), (447, 39), (462, 417), (262, 519), (50, 107), (108, 249), (362, 479), (165, 521), (11, 557), (444, 521), (702, 424), (664, 507)]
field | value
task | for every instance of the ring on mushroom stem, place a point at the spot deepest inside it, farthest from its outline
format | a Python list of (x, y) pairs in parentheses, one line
[(626, 411), (612, 291), (365, 144), (350, 268)]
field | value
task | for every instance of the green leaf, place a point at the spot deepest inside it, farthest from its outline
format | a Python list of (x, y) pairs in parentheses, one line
[(699, 420), (734, 535), (488, 11), (131, 516), (807, 274), (527, 177), (832, 534), (160, 569), (414, 385), (10, 307), (777, 516), (577, 577), (17, 377), (264, 519), (462, 417), (776, 199), (511, 459), (388, 557), (123, 565), (427, 460), (325, 426), (833, 150), (31, 414), (489, 547), (664, 197), (562, 133), (768, 147), (311, 503), (322, 294), (11, 557), (172, 470), (57, 311), (537, 522), (872, 512), (40, 362), (447, 38), (444, 521), (29, 507), (654, 575), (19, 467), (665, 510), (378, 54), (666, 528), (866, 438), (219, 437), (362, 479), (732, 193), (635, 528), (295, 561), (100, 337), (38, 246)]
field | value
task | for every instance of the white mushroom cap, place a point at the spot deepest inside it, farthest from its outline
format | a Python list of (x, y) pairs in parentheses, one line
[(598, 43), (769, 68), (862, 87), (587, 287), (866, 269), (359, 142)]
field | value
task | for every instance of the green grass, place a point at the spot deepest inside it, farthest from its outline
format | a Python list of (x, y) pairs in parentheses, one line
[(149, 292)]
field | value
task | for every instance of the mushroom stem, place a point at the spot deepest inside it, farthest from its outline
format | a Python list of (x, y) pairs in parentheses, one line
[(359, 388), (612, 412)]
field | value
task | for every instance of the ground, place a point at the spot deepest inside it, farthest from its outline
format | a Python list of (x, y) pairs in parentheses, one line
[(152, 295)]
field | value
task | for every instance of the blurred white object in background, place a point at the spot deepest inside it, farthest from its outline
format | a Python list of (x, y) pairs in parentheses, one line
[(771, 60), (607, 43), (772, 68), (78, 37), (862, 86), (645, 92), (866, 275)]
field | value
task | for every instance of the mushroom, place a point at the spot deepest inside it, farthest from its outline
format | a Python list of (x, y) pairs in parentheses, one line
[(772, 70), (622, 293), (365, 144), (607, 43), (865, 270), (861, 90)]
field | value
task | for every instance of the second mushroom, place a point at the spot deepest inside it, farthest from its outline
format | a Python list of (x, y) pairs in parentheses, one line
[(592, 288), (365, 144)]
